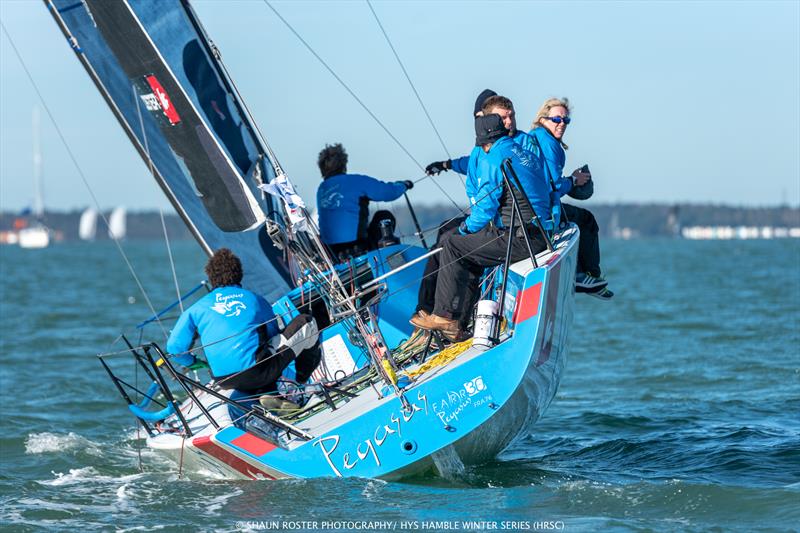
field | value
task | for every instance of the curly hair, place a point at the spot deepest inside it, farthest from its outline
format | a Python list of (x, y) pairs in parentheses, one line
[(332, 160), (544, 111), (224, 269)]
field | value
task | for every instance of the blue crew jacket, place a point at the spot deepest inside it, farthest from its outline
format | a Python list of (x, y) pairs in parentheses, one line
[(226, 320), (554, 159), (340, 200), (468, 164), (529, 170)]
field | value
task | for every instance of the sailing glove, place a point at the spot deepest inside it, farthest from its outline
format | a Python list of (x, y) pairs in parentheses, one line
[(463, 229), (409, 184), (198, 364), (438, 166)]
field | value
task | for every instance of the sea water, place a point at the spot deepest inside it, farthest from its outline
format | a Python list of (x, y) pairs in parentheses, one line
[(679, 408)]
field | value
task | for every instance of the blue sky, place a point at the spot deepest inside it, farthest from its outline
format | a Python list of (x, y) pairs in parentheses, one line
[(673, 101)]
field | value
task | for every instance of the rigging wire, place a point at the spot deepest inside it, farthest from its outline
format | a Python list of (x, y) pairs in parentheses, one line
[(411, 83), (171, 261), (80, 171), (357, 99)]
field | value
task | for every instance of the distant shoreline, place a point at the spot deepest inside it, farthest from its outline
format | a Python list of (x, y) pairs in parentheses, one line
[(627, 220)]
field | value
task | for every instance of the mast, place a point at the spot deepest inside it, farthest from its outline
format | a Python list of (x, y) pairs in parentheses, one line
[(38, 200)]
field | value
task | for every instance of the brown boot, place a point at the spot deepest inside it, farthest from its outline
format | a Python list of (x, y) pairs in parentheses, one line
[(419, 315), (448, 326)]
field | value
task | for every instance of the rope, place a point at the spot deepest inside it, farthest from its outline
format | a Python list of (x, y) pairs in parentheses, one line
[(171, 261), (411, 83), (80, 171), (355, 97), (442, 358), (180, 463)]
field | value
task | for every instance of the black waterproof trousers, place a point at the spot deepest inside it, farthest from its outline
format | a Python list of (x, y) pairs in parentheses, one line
[(589, 244), (261, 377), (427, 288), (463, 261)]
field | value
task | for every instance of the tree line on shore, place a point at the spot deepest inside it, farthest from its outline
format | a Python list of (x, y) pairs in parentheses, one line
[(643, 220)]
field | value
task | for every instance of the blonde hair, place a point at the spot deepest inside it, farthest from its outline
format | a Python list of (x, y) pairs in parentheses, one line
[(544, 111)]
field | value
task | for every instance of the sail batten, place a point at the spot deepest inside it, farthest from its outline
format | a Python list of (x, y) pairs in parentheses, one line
[(152, 63)]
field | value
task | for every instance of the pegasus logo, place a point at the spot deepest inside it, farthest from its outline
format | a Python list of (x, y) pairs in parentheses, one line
[(332, 201), (227, 306)]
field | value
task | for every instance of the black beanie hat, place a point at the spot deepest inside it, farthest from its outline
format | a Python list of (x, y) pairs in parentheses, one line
[(488, 129), (481, 99)]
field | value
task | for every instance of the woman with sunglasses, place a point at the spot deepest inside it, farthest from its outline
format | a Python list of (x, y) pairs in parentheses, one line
[(548, 130)]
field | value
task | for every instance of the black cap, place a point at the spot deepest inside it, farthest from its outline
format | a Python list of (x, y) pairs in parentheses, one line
[(488, 129), (481, 99)]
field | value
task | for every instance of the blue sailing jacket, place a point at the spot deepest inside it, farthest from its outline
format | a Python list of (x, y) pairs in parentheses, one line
[(468, 164), (227, 321), (554, 159), (529, 170), (342, 202)]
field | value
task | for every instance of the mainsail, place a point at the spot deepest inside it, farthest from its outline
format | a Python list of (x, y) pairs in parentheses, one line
[(152, 63)]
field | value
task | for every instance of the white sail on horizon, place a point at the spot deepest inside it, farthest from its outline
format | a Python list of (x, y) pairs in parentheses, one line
[(117, 223), (87, 229)]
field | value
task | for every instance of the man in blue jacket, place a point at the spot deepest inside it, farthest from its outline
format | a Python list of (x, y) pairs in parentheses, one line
[(238, 330), (488, 102), (343, 204), (482, 238)]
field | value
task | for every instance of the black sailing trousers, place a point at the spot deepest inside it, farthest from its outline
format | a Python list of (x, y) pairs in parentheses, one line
[(464, 259), (261, 377), (427, 288), (589, 244)]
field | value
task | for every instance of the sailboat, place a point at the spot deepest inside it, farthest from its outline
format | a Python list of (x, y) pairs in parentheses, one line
[(36, 235), (379, 407), (87, 227), (118, 224)]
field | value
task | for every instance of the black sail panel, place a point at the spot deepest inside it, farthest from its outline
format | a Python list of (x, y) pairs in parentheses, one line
[(155, 71)]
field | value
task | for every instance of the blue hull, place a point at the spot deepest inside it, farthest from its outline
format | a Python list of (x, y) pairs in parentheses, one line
[(464, 412)]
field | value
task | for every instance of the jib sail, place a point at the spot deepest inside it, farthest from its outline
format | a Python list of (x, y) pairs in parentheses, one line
[(156, 70)]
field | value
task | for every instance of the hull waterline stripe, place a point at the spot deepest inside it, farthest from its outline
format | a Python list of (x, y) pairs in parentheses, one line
[(208, 446)]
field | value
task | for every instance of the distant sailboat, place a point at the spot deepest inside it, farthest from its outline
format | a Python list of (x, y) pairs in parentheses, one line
[(87, 230), (117, 224), (36, 235)]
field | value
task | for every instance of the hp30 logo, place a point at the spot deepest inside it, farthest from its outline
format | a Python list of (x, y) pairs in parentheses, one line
[(475, 386)]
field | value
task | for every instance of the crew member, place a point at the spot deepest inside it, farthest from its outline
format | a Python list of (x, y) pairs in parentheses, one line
[(548, 129), (482, 239), (343, 204), (238, 330)]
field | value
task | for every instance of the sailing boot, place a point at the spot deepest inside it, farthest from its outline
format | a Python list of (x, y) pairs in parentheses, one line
[(447, 326)]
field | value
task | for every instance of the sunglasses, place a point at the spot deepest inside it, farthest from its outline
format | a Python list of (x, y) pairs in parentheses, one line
[(559, 120)]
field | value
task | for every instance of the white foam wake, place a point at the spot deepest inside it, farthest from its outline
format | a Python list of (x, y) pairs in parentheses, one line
[(86, 474), (52, 442)]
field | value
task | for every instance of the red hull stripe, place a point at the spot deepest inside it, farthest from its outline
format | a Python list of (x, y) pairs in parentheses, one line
[(553, 259), (527, 303), (163, 99), (208, 446), (252, 444)]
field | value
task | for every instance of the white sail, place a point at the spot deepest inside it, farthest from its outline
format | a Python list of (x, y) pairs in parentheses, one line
[(117, 224), (87, 230)]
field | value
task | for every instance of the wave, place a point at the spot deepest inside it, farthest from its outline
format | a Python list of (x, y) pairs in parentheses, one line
[(51, 442), (88, 474)]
